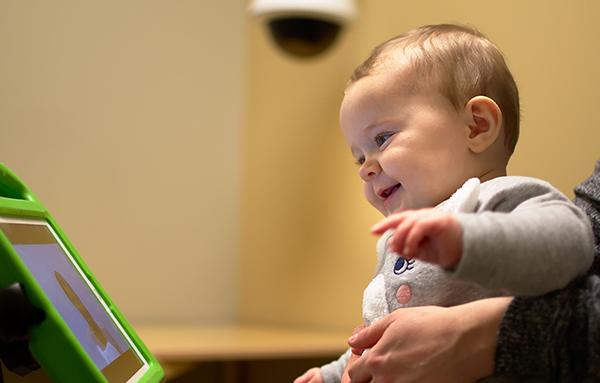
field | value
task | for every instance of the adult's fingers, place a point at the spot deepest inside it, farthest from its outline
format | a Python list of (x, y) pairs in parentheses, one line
[(357, 329), (358, 372), (368, 336)]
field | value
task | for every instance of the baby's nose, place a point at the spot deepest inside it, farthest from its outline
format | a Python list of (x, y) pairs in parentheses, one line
[(369, 170)]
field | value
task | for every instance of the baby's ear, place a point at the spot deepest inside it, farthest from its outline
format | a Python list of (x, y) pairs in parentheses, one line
[(484, 123)]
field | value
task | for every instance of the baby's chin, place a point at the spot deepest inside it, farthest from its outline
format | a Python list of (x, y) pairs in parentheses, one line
[(388, 212), (389, 209)]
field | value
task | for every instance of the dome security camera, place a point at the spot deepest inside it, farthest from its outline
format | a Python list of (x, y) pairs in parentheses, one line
[(304, 28)]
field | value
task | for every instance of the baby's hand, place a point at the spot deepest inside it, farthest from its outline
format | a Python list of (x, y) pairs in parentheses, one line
[(426, 234), (311, 376)]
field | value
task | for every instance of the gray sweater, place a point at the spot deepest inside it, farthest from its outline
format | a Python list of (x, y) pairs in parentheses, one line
[(520, 236), (557, 336)]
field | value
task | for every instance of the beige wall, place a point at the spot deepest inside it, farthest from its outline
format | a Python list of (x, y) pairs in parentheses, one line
[(125, 119), (119, 114), (300, 197), (306, 252)]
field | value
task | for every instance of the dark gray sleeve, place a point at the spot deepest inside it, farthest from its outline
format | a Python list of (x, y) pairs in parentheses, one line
[(526, 239), (332, 372), (557, 335)]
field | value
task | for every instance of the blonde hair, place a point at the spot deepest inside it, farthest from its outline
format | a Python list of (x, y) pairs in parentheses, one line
[(460, 61)]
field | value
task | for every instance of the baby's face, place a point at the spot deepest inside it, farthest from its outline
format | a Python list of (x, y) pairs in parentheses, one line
[(410, 144)]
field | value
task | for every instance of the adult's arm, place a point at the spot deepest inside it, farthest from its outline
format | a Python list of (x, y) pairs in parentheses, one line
[(556, 336)]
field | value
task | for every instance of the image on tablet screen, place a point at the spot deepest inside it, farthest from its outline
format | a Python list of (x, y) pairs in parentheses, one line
[(75, 299)]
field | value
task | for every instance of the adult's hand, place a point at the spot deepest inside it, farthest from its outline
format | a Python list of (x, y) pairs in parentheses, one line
[(430, 344)]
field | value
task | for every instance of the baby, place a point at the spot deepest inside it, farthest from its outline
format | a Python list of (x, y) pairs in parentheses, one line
[(432, 118)]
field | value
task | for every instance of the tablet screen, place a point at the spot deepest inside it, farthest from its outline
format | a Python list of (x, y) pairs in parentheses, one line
[(76, 299)]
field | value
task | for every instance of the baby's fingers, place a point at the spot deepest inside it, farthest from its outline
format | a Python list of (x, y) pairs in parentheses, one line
[(390, 222), (435, 240), (416, 237), (397, 241), (312, 375)]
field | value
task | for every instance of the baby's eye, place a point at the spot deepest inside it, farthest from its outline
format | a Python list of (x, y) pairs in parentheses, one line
[(381, 138), (360, 161)]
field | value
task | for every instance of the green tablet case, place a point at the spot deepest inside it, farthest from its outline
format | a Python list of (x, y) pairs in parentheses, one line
[(52, 342)]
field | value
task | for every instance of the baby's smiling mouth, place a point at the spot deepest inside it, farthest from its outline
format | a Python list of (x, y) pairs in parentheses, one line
[(384, 194)]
